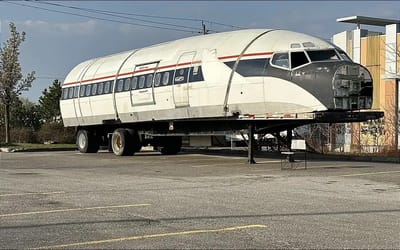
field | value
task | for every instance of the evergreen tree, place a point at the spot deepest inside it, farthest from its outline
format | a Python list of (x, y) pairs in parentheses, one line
[(49, 103), (12, 82)]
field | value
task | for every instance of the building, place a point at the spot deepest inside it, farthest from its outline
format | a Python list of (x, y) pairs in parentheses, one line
[(380, 53)]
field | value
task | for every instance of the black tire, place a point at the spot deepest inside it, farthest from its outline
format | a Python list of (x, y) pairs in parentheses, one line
[(136, 142), (122, 142), (171, 145), (86, 141)]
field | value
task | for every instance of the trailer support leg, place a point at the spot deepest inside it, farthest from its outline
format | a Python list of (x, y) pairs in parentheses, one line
[(289, 137), (250, 149)]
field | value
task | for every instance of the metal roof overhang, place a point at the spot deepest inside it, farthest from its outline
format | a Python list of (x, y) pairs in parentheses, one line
[(368, 20)]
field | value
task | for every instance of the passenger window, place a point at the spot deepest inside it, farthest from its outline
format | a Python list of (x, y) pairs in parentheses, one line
[(82, 91), (134, 83), (65, 94), (165, 78), (70, 93), (141, 82), (100, 88), (111, 86), (181, 76), (88, 89), (196, 74), (127, 84), (120, 85), (76, 91), (107, 87), (94, 89), (157, 80), (281, 60), (254, 67), (149, 81), (298, 59)]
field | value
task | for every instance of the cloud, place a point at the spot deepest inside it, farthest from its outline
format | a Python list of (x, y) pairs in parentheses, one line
[(85, 27)]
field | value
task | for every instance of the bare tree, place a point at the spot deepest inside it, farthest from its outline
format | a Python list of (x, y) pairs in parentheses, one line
[(12, 82)]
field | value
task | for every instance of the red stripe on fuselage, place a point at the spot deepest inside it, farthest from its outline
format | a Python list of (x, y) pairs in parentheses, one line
[(162, 67), (252, 54)]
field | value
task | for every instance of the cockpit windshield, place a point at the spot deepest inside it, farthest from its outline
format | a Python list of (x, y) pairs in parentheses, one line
[(323, 55), (344, 56)]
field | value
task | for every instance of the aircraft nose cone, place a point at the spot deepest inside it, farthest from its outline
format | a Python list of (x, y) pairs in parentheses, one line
[(352, 87)]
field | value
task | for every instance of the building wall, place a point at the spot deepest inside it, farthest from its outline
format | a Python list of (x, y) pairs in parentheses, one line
[(379, 54), (372, 58)]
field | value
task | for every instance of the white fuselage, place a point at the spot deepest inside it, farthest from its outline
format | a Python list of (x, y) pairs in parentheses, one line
[(186, 79)]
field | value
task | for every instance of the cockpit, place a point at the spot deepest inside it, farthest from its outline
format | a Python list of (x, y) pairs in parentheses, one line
[(327, 73), (295, 59)]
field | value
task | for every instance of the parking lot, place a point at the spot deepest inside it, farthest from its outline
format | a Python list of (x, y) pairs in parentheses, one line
[(72, 200)]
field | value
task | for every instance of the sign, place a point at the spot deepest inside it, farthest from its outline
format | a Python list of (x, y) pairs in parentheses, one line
[(298, 144)]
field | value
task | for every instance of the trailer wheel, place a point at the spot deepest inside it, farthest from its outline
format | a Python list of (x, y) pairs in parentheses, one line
[(136, 142), (86, 141), (172, 145), (122, 142)]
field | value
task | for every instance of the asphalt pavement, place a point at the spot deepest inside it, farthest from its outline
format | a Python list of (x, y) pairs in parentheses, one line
[(194, 201)]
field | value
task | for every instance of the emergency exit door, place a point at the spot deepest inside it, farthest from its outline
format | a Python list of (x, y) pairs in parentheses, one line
[(181, 79)]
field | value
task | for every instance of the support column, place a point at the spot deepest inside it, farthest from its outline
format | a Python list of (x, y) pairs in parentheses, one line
[(289, 138), (391, 57), (250, 149)]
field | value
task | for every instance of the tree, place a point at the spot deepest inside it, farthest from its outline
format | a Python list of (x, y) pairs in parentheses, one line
[(49, 103), (12, 82), (25, 114)]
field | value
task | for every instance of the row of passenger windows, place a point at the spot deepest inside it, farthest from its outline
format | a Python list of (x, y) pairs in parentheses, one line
[(193, 74)]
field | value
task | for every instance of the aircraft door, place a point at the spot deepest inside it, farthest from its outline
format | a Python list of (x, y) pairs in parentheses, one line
[(142, 90), (181, 79), (79, 113)]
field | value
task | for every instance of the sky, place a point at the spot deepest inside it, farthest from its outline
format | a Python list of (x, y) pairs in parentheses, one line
[(61, 34)]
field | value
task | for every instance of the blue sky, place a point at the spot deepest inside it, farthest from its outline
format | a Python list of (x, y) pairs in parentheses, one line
[(56, 42)]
